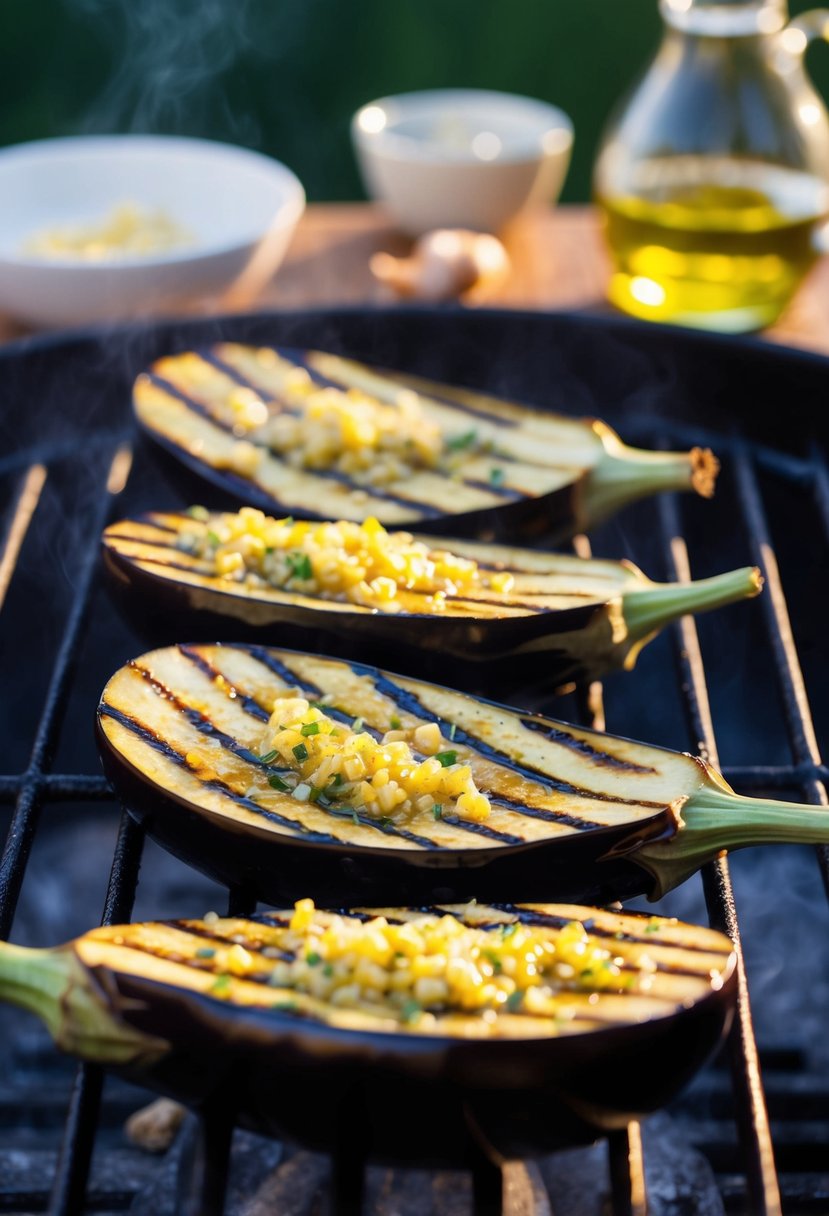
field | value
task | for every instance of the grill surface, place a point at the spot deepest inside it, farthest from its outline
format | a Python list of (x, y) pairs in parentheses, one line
[(734, 688)]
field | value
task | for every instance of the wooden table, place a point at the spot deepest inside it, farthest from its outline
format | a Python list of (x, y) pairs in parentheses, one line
[(557, 257)]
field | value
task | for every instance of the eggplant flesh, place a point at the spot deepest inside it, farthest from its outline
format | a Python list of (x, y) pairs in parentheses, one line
[(158, 1002), (575, 814), (514, 469), (564, 618)]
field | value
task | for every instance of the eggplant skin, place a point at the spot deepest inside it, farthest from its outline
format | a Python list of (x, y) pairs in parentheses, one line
[(580, 635), (282, 1073), (180, 733)]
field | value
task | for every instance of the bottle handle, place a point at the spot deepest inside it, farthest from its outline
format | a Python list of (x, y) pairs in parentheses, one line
[(805, 28)]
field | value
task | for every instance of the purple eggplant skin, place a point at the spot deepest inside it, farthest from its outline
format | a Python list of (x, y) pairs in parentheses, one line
[(411, 1097), (450, 651), (589, 867)]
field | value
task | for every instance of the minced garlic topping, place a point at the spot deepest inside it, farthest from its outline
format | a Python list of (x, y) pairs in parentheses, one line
[(403, 774), (347, 431), (349, 562), (436, 964)]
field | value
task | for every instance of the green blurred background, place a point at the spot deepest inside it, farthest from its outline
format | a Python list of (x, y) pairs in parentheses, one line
[(284, 76)]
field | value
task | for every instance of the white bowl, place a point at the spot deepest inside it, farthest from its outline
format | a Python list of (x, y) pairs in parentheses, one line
[(461, 158), (234, 203)]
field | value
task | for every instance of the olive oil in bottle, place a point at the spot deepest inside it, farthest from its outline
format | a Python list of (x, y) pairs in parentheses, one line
[(712, 242)]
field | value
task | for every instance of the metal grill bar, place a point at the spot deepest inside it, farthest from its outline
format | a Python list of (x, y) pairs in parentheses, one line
[(80, 787), (750, 1103), (72, 1171), (796, 707), (24, 822)]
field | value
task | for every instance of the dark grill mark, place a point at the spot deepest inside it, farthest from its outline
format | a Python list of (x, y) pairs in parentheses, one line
[(252, 706), (198, 407), (203, 724), (206, 727), (227, 369), (482, 829), (535, 812), (249, 705), (196, 964), (409, 703), (424, 509), (301, 358), (580, 745), (201, 931), (510, 493), (531, 917), (268, 659), (166, 749)]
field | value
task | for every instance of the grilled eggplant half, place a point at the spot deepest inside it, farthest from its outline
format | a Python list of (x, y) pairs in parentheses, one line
[(507, 613), (317, 436), (273, 1018), (288, 772)]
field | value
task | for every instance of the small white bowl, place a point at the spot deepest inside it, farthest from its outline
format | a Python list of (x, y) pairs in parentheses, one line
[(235, 204), (461, 158)]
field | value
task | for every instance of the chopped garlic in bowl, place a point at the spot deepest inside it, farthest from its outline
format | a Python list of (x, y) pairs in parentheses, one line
[(127, 230)]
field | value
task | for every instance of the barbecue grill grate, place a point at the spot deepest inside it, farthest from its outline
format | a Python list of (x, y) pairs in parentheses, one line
[(33, 790)]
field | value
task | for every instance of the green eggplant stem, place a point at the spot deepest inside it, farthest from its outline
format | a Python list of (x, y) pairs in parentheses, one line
[(57, 987), (624, 474), (714, 819), (648, 610)]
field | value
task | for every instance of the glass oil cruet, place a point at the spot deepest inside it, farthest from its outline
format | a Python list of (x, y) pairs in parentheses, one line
[(713, 180)]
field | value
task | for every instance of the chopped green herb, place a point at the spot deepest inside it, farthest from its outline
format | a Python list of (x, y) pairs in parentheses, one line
[(619, 935), (200, 513), (446, 759), (317, 794), (310, 728), (287, 522), (300, 565), (331, 791), (586, 972), (276, 783), (411, 1010), (508, 930), (205, 952), (456, 443), (214, 538), (337, 779), (355, 817), (493, 958), (221, 984), (328, 970), (394, 722), (268, 550), (496, 476), (300, 751), (313, 959), (452, 729), (269, 756), (285, 1006), (357, 725), (653, 926), (515, 1000), (437, 810)]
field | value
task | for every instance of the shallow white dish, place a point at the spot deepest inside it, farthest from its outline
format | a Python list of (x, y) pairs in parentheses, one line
[(236, 204), (461, 158)]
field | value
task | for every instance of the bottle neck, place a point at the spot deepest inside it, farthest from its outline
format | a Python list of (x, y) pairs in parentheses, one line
[(725, 18)]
